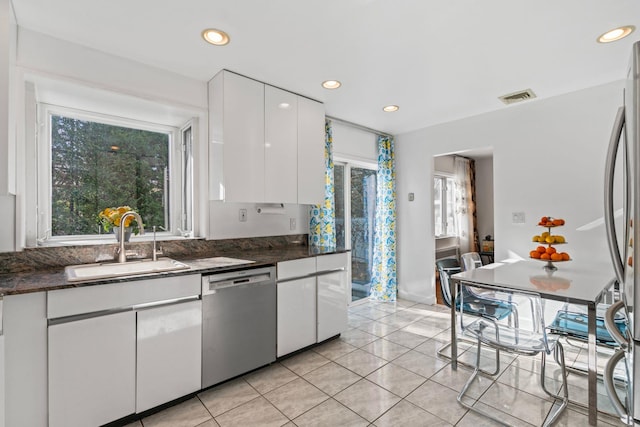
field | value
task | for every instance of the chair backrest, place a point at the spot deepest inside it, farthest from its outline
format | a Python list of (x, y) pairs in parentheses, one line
[(447, 267), (471, 260), (528, 335)]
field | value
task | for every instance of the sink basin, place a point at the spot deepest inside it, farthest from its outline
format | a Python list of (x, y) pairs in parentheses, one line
[(77, 273)]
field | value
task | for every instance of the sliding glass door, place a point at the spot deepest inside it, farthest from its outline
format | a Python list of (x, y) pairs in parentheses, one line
[(355, 191)]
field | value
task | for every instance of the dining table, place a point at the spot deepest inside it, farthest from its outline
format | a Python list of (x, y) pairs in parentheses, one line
[(580, 283)]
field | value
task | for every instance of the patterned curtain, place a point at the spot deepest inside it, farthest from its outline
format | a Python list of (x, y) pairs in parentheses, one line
[(384, 278), (465, 203), (322, 222)]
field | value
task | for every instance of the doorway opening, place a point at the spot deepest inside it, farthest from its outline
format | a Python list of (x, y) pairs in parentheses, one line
[(355, 192), (453, 212)]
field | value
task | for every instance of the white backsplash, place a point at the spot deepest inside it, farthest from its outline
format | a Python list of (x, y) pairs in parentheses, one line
[(224, 221)]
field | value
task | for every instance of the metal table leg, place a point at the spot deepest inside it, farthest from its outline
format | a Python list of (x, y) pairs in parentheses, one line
[(593, 364), (453, 289)]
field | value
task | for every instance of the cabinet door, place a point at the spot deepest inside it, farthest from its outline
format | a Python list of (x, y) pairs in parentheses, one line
[(92, 370), (296, 315), (281, 146), (311, 164), (169, 350), (332, 295), (243, 139)]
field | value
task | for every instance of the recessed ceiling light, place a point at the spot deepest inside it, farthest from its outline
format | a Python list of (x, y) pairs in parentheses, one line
[(331, 84), (284, 105), (215, 37), (616, 34), (390, 108)]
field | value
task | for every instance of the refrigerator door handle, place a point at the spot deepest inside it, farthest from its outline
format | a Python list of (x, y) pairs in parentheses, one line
[(610, 386), (610, 324), (609, 221)]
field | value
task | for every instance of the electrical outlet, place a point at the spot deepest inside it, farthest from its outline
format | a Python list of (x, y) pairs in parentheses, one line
[(411, 197), (292, 223), (242, 215)]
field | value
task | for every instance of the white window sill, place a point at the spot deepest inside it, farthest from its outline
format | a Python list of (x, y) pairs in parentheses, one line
[(110, 239)]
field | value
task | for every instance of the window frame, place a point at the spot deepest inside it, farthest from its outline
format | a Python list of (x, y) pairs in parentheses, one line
[(176, 167), (444, 177)]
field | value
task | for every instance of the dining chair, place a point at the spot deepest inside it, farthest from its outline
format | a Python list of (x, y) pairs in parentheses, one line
[(476, 305), (471, 260), (512, 339)]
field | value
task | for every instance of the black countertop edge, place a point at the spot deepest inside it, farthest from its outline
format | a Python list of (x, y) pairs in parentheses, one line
[(53, 279)]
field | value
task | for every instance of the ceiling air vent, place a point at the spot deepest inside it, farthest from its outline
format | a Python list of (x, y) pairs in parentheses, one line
[(522, 95)]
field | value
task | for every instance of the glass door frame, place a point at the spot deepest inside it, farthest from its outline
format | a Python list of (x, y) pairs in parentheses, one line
[(349, 163)]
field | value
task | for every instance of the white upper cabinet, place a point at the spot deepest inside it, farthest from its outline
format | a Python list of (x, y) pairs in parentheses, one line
[(280, 145), (236, 143), (311, 163), (265, 144)]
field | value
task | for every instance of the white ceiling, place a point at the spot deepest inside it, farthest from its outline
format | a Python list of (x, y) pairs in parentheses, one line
[(438, 60)]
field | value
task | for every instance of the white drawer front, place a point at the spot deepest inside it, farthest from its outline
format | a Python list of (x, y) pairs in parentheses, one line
[(88, 299), (332, 262), (296, 268)]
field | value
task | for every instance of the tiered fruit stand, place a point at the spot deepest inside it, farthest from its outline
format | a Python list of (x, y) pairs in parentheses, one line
[(549, 255)]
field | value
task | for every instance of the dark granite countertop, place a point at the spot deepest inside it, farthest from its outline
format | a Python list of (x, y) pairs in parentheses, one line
[(54, 278)]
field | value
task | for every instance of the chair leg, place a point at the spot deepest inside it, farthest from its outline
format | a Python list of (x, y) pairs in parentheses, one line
[(466, 386), (441, 353), (558, 355)]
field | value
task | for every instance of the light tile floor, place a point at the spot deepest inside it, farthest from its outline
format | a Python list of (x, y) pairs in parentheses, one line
[(383, 371)]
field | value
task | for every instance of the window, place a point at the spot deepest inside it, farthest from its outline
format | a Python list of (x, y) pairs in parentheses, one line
[(97, 161), (444, 206)]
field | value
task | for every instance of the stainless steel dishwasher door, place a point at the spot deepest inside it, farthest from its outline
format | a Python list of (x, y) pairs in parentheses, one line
[(239, 323)]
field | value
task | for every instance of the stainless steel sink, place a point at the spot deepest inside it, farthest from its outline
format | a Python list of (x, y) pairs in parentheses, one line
[(77, 273)]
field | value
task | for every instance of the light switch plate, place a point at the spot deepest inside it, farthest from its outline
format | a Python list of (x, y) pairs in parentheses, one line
[(411, 197), (517, 217)]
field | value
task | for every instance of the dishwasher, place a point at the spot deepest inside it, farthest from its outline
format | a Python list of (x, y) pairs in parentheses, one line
[(238, 323)]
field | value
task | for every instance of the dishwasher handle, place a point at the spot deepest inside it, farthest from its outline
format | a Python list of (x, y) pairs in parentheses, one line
[(213, 283)]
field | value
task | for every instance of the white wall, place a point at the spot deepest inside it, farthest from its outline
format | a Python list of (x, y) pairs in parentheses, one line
[(224, 221), (484, 197), (548, 158)]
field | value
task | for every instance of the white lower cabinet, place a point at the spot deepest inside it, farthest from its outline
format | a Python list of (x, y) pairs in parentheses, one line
[(296, 315), (312, 300), (103, 367), (92, 378), (169, 353), (333, 286)]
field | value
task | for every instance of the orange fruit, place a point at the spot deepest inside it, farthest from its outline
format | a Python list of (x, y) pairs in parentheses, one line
[(556, 257), (558, 221), (550, 250), (565, 256), (544, 219), (545, 256), (541, 249), (534, 254)]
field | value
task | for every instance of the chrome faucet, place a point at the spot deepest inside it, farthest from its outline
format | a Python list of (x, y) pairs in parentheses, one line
[(122, 256)]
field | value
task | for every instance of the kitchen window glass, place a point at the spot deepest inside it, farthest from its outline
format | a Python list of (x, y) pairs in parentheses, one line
[(444, 206), (98, 161)]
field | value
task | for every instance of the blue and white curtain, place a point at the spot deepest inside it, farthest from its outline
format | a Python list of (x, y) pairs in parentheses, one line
[(384, 283), (322, 222)]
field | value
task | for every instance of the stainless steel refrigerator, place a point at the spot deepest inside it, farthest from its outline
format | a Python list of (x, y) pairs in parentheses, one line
[(624, 244)]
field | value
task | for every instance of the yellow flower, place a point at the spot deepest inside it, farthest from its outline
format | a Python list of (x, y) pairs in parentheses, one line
[(112, 217)]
